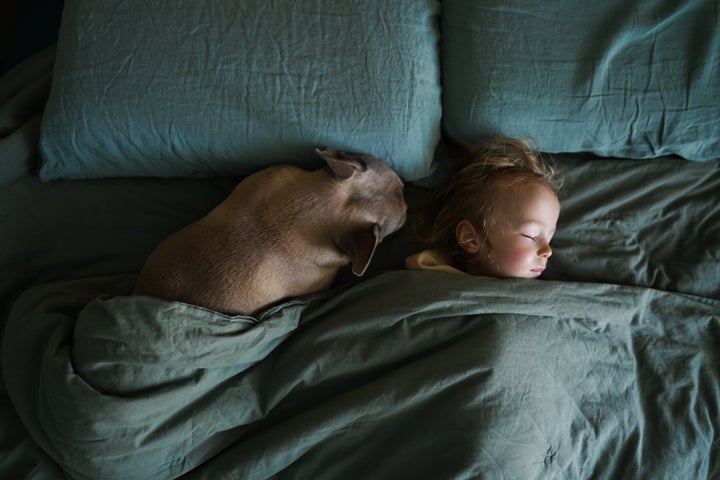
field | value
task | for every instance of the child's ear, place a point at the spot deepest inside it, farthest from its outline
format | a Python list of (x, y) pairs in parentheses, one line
[(467, 236)]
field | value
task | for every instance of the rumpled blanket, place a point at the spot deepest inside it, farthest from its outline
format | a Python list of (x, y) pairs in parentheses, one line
[(404, 375)]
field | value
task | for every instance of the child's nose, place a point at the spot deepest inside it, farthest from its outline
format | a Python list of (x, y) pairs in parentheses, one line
[(545, 251)]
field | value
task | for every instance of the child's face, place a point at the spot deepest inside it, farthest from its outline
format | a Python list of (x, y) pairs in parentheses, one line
[(518, 245)]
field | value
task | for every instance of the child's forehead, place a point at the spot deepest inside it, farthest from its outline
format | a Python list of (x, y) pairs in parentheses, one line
[(520, 188), (524, 201)]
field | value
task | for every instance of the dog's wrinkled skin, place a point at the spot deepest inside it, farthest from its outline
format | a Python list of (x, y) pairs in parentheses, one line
[(282, 232)]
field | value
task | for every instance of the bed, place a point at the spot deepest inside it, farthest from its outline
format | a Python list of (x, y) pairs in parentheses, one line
[(144, 116)]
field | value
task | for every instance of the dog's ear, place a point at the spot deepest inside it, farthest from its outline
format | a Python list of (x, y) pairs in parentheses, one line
[(362, 248), (342, 165)]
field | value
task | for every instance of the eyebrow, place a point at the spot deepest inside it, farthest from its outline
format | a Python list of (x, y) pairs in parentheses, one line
[(535, 223), (530, 222)]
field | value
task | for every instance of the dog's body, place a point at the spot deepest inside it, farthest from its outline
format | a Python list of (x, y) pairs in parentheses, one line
[(282, 232)]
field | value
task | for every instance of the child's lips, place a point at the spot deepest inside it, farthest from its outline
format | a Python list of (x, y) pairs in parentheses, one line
[(538, 270)]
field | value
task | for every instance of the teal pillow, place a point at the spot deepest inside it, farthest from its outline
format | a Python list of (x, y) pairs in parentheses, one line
[(635, 79), (222, 87)]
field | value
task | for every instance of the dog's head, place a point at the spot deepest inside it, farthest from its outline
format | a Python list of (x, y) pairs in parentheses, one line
[(376, 206)]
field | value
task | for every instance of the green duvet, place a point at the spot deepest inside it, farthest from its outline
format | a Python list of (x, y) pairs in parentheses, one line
[(439, 376)]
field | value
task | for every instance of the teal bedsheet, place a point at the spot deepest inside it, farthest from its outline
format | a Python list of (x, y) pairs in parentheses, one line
[(607, 368), (406, 375)]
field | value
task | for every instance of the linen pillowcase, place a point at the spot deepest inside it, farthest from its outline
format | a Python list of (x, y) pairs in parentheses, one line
[(220, 87), (616, 78)]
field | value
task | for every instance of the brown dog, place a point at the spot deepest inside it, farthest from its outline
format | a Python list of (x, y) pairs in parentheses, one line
[(282, 232)]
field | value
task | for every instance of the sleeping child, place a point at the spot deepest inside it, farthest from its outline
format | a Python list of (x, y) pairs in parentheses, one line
[(494, 217)]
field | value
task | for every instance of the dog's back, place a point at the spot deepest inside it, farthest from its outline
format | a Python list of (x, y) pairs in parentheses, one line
[(282, 232)]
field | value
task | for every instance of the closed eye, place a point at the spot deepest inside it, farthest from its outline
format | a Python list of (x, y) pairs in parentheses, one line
[(534, 239)]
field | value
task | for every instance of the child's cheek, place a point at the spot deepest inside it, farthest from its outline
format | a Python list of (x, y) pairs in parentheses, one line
[(521, 257)]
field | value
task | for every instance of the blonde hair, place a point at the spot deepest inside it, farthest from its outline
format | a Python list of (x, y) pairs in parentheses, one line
[(469, 193)]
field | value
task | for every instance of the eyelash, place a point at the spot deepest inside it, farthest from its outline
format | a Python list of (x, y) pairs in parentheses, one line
[(534, 239)]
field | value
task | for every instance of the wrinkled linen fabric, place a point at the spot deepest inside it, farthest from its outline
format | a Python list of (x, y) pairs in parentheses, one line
[(454, 374)]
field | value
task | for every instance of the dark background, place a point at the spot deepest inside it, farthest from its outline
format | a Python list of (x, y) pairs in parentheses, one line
[(26, 27)]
